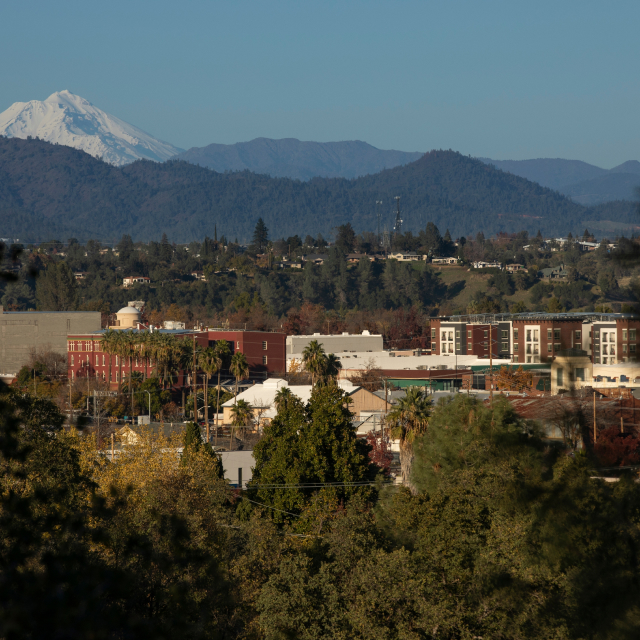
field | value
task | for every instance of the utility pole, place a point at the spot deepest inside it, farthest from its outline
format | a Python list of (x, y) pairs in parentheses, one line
[(595, 432), (195, 387), (113, 439), (491, 366)]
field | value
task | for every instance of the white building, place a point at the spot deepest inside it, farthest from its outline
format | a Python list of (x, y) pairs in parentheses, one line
[(335, 343)]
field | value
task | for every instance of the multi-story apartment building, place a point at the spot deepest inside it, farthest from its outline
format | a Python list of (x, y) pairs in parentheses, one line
[(530, 338)]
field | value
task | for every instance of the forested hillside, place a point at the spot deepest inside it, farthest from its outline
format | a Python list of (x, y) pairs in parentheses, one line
[(48, 190)]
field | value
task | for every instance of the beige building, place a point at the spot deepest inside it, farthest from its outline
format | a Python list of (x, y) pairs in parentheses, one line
[(571, 370), (126, 318), (23, 331)]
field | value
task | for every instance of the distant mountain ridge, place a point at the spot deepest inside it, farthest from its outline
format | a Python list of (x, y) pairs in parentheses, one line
[(582, 182), (292, 158), (67, 119), (52, 191)]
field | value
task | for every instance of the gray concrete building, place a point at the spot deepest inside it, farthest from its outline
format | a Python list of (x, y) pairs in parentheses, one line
[(337, 343), (23, 331)]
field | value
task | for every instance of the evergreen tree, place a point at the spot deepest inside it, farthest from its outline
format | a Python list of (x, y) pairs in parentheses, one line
[(166, 250), (346, 238), (260, 236), (310, 444), (56, 289)]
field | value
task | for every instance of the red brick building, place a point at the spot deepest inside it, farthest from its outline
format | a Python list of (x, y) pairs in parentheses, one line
[(264, 351), (531, 338)]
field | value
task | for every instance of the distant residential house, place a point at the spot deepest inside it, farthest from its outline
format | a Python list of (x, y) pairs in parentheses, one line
[(315, 258), (553, 273), (588, 246), (131, 280), (199, 275), (409, 256), (513, 268), (444, 260), (487, 265), (286, 262), (80, 275), (356, 257)]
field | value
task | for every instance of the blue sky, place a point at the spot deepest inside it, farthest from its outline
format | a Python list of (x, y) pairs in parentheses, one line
[(506, 80)]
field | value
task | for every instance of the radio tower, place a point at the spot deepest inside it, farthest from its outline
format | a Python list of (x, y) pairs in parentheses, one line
[(397, 227)]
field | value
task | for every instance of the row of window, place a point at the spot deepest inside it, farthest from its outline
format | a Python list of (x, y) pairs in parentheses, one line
[(84, 345), (136, 364)]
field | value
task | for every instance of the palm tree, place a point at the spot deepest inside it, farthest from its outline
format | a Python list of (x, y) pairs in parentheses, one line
[(313, 358), (222, 354), (209, 362), (331, 366), (135, 382), (239, 369), (407, 420), (282, 399), (109, 347), (129, 348), (242, 417)]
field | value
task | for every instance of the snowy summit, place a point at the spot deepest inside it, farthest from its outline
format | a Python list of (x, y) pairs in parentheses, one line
[(73, 121)]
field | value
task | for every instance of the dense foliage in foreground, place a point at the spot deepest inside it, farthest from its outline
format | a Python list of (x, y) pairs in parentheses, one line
[(504, 538)]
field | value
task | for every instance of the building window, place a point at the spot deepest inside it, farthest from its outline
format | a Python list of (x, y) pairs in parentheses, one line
[(264, 345), (624, 334), (612, 350), (117, 364), (451, 335), (515, 334), (515, 346), (486, 334), (605, 348), (505, 346), (580, 374), (444, 336), (549, 347), (103, 361), (578, 336), (470, 346), (604, 336), (433, 334), (469, 334), (486, 345), (264, 359), (457, 334), (605, 360), (450, 348), (632, 348), (73, 360), (549, 334), (457, 346), (596, 334), (97, 361), (515, 358), (559, 377), (557, 346), (505, 334), (624, 348), (632, 334), (556, 334), (528, 335), (117, 376), (238, 344), (73, 375)]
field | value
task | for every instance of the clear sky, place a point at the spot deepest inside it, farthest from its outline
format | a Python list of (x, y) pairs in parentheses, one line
[(505, 80)]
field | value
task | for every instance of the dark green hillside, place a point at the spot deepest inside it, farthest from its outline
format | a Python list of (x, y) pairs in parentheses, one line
[(48, 190)]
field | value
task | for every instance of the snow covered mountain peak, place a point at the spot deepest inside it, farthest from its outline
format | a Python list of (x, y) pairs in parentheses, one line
[(70, 120)]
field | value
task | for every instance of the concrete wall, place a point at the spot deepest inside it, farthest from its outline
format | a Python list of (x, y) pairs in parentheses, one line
[(335, 343), (20, 332)]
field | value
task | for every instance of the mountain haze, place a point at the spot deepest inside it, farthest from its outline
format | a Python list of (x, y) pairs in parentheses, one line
[(291, 158), (49, 191), (67, 119), (582, 182)]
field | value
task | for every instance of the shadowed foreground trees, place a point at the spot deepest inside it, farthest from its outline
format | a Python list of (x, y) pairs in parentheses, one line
[(506, 538)]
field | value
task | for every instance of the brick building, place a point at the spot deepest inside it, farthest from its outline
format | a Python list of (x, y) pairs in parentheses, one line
[(264, 351), (531, 338)]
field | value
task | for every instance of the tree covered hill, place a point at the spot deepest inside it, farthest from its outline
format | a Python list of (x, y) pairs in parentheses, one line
[(48, 190)]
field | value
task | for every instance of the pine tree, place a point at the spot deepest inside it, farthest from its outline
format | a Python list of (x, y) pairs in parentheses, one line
[(56, 289), (260, 236)]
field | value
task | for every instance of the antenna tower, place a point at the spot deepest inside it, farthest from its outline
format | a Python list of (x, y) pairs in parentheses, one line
[(379, 216), (397, 227), (386, 240)]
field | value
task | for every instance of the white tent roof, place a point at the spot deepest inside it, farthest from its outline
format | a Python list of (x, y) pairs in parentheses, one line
[(263, 395)]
